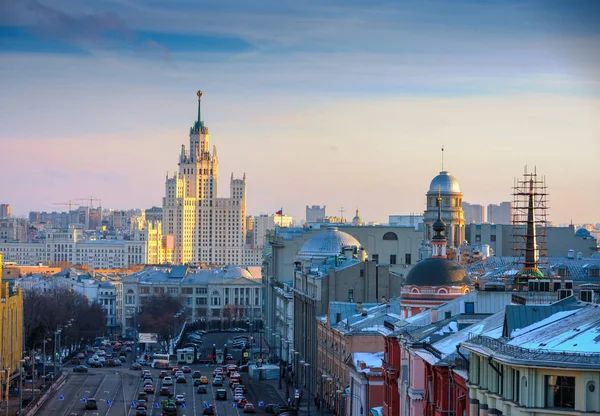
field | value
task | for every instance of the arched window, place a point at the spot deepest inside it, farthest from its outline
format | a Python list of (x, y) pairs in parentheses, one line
[(415, 290), (390, 236), (443, 291)]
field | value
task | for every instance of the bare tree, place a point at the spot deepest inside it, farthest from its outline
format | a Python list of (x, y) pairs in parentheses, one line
[(158, 314)]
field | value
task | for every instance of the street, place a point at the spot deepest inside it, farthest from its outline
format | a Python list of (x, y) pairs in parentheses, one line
[(116, 390)]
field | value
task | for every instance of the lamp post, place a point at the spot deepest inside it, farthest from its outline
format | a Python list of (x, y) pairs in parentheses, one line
[(45, 358), (280, 360), (296, 358), (323, 378), (307, 382), (20, 387), (56, 337), (354, 395)]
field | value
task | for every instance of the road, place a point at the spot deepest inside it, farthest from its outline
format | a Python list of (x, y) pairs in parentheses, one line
[(116, 389)]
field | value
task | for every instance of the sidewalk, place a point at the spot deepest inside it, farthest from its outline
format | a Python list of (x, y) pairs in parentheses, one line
[(273, 385)]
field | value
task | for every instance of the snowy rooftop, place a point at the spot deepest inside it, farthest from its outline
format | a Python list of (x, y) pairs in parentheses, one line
[(563, 338), (371, 360)]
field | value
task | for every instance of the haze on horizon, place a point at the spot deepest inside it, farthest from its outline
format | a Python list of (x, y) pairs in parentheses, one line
[(341, 104)]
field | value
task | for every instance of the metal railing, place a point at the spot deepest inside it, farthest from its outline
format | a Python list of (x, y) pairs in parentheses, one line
[(538, 354)]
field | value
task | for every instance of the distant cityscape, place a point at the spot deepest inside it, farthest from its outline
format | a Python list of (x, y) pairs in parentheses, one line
[(449, 311)]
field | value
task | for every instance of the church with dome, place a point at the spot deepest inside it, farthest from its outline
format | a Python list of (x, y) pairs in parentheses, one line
[(437, 279), (447, 188)]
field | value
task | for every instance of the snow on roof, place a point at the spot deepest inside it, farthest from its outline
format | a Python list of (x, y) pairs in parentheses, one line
[(575, 331), (371, 360), (448, 328), (549, 320), (484, 327)]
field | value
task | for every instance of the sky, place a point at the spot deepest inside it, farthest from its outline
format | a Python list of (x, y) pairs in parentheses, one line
[(337, 103)]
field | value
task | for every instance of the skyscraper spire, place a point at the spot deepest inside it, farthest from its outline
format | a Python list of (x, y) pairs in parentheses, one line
[(530, 268), (199, 94)]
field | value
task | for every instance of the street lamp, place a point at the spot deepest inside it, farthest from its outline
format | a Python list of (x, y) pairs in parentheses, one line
[(307, 368), (345, 394), (56, 338), (296, 358)]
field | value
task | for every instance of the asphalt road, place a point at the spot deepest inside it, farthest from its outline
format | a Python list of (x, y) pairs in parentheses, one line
[(115, 390)]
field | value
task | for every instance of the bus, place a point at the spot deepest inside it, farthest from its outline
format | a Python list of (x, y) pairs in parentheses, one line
[(220, 357), (162, 360), (185, 356)]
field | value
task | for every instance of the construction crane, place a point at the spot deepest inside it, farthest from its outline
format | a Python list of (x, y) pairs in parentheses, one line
[(91, 199), (69, 204)]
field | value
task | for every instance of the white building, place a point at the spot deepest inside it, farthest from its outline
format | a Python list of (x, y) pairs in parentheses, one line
[(264, 223), (65, 246), (220, 297), (206, 229)]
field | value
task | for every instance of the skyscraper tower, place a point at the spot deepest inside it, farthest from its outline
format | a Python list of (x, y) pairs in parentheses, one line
[(205, 228)]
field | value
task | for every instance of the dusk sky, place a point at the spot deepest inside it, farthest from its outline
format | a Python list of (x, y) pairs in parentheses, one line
[(337, 103)]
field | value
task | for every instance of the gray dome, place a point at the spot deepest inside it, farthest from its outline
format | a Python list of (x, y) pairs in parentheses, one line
[(327, 243), (437, 272), (235, 272), (445, 182)]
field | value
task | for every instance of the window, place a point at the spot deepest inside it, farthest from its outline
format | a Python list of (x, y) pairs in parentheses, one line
[(447, 315), (144, 290), (350, 295), (493, 237), (469, 307), (201, 291), (392, 259), (375, 258), (407, 258), (362, 272), (390, 236), (173, 290), (560, 392)]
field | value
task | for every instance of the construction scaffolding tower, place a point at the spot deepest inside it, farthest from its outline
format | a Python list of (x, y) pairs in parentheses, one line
[(529, 218)]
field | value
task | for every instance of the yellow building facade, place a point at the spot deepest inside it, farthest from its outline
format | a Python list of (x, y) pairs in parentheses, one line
[(11, 331)]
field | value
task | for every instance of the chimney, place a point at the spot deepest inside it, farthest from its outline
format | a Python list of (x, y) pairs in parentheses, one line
[(338, 317), (362, 365), (358, 306)]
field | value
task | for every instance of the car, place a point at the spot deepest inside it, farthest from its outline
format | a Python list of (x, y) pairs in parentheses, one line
[(135, 366), (186, 369), (204, 380), (179, 373), (140, 411), (269, 408), (180, 399), (90, 404), (201, 389), (174, 370), (80, 355), (196, 374), (144, 372), (241, 386), (148, 382), (218, 370), (167, 381), (221, 394), (163, 374), (142, 395), (141, 403), (217, 382), (279, 409), (241, 402), (237, 396), (234, 385), (102, 359), (164, 391), (149, 388), (96, 364), (80, 369), (181, 379), (209, 409), (128, 349), (239, 391), (197, 382), (229, 357), (75, 360), (122, 358), (249, 408)]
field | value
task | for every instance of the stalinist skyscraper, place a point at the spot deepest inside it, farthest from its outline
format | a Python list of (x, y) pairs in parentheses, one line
[(205, 228)]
